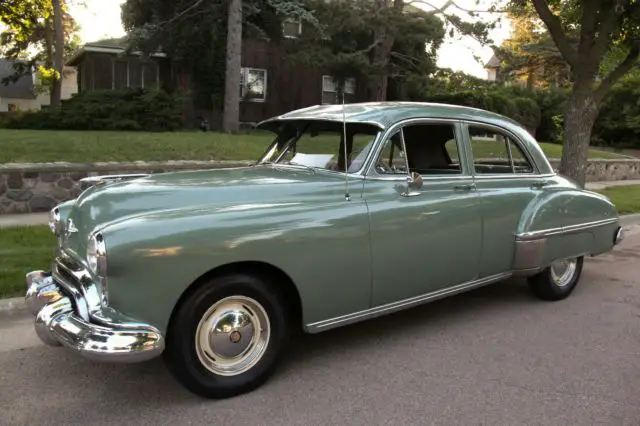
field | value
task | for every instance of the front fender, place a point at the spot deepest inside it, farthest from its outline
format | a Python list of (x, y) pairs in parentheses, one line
[(564, 223), (322, 246)]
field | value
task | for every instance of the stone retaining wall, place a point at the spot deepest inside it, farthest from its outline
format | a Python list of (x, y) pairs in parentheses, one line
[(28, 188)]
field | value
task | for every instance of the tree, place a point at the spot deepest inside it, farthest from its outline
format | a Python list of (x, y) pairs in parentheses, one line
[(385, 34), (531, 53), (586, 33), (344, 42), (231, 113), (30, 37)]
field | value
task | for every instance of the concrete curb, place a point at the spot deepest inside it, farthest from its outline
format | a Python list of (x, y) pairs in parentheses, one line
[(16, 305), (13, 306)]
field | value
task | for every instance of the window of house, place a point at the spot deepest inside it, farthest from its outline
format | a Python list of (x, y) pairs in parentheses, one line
[(253, 84), (426, 148), (291, 28), (13, 107), (496, 153), (330, 90)]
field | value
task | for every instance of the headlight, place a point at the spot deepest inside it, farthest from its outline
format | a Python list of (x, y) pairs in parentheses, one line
[(97, 255), (54, 221)]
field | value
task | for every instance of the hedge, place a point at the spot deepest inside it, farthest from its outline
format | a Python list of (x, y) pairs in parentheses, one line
[(130, 109)]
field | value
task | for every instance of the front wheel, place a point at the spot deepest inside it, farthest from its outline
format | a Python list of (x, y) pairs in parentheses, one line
[(557, 281), (225, 339)]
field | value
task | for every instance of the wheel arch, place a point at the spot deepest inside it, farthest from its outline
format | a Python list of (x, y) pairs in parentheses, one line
[(261, 269)]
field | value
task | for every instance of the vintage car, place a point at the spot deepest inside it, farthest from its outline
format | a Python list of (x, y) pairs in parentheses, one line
[(353, 212)]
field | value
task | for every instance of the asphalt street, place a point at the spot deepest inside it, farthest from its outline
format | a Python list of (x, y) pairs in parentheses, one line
[(495, 356)]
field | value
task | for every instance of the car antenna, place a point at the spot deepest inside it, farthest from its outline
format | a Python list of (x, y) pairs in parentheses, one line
[(344, 135)]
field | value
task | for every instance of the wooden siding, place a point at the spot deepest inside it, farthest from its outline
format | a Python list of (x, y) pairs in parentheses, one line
[(289, 85)]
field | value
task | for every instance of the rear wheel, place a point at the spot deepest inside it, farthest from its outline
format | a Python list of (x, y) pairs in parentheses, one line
[(226, 338), (557, 281)]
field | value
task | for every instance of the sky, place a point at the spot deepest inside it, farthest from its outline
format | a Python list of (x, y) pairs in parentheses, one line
[(101, 19)]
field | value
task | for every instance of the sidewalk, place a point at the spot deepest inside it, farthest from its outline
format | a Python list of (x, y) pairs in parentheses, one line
[(30, 219)]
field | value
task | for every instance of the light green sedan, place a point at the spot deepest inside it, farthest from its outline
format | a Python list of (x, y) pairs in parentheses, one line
[(353, 212)]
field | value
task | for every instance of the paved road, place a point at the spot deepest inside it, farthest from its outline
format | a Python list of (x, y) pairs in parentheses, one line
[(495, 356)]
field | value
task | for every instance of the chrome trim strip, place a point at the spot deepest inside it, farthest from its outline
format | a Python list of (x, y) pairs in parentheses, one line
[(570, 229), (388, 308)]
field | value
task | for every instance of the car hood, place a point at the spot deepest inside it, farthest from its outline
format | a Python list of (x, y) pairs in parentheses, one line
[(99, 206)]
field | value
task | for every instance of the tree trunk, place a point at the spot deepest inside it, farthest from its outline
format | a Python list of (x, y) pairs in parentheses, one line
[(231, 113), (56, 86), (580, 115), (379, 82)]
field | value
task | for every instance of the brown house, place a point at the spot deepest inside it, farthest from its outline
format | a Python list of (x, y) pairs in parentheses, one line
[(270, 84)]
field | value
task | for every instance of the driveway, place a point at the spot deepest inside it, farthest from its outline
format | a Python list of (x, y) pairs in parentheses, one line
[(495, 356)]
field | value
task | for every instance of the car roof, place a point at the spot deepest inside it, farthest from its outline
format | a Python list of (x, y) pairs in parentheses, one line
[(384, 114)]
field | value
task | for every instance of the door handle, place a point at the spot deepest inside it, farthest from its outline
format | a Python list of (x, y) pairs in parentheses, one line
[(465, 187)]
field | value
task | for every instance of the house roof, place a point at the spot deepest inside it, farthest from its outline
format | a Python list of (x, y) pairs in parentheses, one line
[(494, 62), (383, 114), (21, 89), (113, 46)]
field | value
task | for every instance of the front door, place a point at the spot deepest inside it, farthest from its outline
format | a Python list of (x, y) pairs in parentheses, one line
[(423, 239)]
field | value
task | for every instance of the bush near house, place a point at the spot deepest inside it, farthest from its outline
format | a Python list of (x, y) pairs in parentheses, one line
[(130, 109)]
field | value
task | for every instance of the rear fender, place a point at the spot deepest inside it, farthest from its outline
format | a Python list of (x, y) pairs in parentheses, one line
[(563, 223)]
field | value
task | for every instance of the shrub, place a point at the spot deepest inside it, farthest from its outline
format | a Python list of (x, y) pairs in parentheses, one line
[(130, 109), (618, 122)]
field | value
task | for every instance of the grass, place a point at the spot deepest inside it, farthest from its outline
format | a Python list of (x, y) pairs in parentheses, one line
[(23, 249), (625, 197), (33, 146)]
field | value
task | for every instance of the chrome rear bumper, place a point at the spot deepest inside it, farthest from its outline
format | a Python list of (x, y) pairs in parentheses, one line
[(57, 323)]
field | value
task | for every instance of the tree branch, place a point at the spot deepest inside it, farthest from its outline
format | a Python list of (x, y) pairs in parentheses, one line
[(607, 26), (623, 68), (588, 24), (557, 33)]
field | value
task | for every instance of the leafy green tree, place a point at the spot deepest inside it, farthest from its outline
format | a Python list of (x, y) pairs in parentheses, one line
[(590, 35), (30, 37), (345, 42)]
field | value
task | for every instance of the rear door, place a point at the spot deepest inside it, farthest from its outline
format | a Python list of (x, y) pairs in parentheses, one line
[(507, 182)]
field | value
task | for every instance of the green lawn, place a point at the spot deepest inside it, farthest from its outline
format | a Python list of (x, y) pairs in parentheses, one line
[(17, 146), (23, 250), (626, 198)]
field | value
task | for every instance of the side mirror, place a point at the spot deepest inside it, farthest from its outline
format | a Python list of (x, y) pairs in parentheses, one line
[(414, 180)]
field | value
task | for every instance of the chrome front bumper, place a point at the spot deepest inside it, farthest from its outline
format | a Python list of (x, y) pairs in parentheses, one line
[(112, 340)]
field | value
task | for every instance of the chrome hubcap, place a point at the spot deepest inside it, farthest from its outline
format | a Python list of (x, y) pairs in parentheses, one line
[(562, 271), (232, 335)]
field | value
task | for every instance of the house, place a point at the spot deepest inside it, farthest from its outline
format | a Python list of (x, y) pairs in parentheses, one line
[(24, 94), (270, 83), (493, 68)]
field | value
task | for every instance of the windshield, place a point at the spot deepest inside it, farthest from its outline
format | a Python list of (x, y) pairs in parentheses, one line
[(319, 145)]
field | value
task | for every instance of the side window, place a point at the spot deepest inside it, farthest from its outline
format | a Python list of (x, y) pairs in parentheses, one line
[(392, 159), (496, 153), (431, 149)]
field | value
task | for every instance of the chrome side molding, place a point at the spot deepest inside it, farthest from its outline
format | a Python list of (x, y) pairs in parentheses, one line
[(388, 308)]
